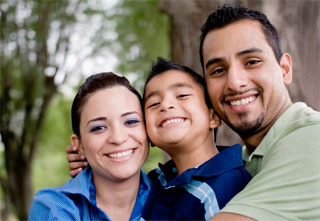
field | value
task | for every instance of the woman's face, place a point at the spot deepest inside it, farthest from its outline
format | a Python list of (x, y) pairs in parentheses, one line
[(113, 135)]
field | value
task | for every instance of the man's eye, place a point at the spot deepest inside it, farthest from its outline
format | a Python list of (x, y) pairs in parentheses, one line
[(98, 128), (131, 122), (218, 71), (253, 62)]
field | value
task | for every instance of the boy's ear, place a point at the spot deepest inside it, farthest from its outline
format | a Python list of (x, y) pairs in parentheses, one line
[(215, 121), (76, 142)]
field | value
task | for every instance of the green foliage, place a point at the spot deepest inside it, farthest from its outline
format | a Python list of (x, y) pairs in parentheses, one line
[(50, 167), (155, 157), (143, 35)]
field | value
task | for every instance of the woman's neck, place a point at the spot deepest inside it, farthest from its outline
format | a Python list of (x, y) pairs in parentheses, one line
[(117, 198)]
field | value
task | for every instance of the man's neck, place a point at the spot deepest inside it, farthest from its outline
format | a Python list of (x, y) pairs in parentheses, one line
[(253, 140)]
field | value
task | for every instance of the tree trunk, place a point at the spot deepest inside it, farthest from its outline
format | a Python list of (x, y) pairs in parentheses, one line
[(297, 22)]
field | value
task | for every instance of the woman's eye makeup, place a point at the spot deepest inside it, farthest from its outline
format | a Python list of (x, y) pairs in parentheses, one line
[(97, 128), (132, 122)]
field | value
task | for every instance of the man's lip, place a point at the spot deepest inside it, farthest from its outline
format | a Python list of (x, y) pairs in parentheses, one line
[(228, 98), (170, 119)]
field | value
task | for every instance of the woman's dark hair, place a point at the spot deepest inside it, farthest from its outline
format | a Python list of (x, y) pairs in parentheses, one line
[(93, 84)]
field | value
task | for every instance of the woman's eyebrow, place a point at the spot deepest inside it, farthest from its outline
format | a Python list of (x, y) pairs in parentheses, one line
[(129, 113), (97, 119)]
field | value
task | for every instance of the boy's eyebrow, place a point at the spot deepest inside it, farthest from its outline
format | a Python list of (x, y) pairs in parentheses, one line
[(176, 85), (239, 54)]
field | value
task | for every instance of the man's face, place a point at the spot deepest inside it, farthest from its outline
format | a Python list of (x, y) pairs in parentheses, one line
[(245, 82)]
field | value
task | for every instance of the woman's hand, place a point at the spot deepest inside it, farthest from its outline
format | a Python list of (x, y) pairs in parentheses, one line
[(76, 161)]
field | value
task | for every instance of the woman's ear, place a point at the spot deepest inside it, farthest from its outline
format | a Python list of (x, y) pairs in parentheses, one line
[(75, 140), (215, 121)]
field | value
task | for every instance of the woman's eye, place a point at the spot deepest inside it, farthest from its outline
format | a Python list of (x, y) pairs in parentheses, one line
[(131, 122), (98, 128)]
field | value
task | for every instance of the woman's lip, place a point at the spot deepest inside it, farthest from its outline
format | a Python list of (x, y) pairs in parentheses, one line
[(120, 153)]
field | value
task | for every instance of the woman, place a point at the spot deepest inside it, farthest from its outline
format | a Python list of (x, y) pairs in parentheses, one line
[(109, 130)]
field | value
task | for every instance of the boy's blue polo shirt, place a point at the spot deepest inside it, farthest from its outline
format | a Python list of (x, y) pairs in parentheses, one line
[(198, 193), (76, 200)]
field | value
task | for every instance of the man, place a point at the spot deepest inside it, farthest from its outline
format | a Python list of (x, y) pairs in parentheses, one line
[(246, 75)]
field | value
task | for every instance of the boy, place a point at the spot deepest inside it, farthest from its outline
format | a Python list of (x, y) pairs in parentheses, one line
[(199, 180)]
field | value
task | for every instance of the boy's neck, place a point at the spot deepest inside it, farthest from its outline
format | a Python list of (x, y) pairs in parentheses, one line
[(194, 155)]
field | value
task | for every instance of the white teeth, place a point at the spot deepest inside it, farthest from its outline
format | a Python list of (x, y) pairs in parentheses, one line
[(122, 154), (242, 101), (171, 121)]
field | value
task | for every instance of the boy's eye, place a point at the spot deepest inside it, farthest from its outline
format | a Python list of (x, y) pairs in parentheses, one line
[(183, 95), (98, 128), (154, 104), (131, 122)]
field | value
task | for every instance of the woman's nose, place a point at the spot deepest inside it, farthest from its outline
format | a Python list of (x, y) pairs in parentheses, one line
[(117, 136)]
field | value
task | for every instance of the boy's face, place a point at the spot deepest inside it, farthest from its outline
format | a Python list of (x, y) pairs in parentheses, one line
[(175, 110)]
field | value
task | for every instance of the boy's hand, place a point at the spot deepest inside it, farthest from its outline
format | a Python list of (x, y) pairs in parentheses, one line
[(76, 161)]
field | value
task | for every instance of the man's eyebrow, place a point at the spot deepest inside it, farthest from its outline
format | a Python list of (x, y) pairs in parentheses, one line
[(248, 51), (214, 60), (239, 54), (97, 119)]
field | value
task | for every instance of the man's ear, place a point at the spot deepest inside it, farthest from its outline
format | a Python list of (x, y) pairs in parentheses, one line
[(215, 121), (286, 68), (75, 140)]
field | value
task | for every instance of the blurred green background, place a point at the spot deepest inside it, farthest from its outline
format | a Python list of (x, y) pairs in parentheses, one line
[(48, 48)]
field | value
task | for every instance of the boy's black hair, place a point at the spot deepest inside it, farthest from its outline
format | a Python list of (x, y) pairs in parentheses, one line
[(228, 14), (162, 65)]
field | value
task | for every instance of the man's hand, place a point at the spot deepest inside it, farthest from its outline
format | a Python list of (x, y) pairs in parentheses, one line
[(76, 161)]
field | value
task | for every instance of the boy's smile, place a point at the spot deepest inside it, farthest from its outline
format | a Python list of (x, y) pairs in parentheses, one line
[(175, 110)]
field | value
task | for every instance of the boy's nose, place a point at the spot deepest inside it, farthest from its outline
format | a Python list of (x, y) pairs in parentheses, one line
[(167, 105)]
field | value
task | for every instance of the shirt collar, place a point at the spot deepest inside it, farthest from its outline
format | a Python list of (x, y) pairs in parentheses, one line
[(224, 161)]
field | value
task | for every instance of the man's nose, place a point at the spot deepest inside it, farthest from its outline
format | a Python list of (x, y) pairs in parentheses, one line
[(237, 78)]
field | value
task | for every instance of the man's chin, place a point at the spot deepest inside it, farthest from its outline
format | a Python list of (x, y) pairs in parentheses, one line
[(245, 127)]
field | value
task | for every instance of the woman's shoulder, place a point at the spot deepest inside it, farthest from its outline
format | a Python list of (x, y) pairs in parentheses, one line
[(61, 202), (50, 203)]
